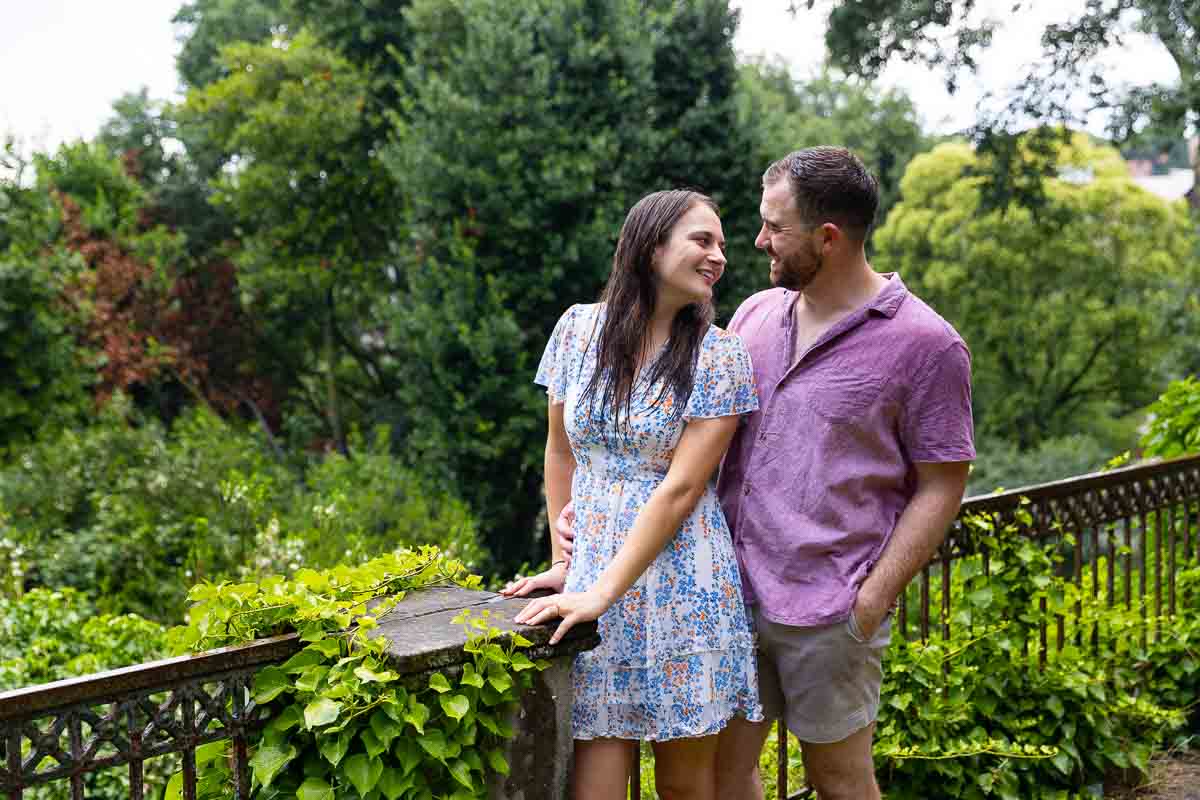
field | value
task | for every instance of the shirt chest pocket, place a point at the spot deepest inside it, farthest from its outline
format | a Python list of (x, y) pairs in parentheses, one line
[(841, 395)]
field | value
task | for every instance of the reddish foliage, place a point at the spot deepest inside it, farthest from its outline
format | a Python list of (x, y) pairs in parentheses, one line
[(192, 332)]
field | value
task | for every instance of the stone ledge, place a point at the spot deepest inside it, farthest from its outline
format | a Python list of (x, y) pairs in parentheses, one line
[(422, 638)]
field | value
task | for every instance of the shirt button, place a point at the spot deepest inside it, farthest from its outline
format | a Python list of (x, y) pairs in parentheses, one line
[(746, 490), (762, 437)]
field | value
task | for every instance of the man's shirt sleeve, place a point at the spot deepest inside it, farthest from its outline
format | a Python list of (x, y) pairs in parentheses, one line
[(937, 424)]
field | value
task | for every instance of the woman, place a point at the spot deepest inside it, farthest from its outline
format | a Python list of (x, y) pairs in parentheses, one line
[(645, 395)]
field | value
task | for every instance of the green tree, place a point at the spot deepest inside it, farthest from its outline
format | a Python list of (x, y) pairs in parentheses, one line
[(1064, 314), (880, 125), (213, 24), (530, 130), (316, 214), (863, 37)]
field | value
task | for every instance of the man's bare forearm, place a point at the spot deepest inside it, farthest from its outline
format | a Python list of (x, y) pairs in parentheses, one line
[(918, 534)]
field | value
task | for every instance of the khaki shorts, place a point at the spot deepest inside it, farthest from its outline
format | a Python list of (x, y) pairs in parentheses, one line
[(823, 680)]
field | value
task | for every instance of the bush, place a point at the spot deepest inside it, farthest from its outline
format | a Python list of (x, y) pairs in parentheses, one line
[(975, 716), (1175, 421), (132, 513), (343, 723), (47, 635)]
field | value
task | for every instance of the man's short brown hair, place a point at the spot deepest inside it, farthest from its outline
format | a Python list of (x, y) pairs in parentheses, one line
[(829, 184)]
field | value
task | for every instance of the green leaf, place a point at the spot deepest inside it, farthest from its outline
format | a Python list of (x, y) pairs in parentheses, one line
[(385, 728), (462, 773), (314, 789), (438, 683), (1055, 705), (287, 719), (981, 598), (455, 705), (408, 753), (372, 743), (269, 682), (434, 743), (268, 760), (367, 675), (499, 679), (321, 712), (497, 761), (520, 662), (393, 783), (363, 772), (472, 678), (417, 714), (302, 661), (329, 648), (174, 790), (210, 752), (310, 679), (334, 748)]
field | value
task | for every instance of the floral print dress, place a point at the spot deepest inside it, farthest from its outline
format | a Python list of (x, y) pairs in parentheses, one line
[(676, 657)]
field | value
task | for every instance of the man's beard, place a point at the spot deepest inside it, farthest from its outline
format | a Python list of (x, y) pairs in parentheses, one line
[(797, 271)]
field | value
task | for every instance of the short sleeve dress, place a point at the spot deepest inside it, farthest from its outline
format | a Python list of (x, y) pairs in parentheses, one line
[(676, 657)]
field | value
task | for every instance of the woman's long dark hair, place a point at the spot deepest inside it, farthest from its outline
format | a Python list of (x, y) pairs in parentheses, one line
[(631, 296)]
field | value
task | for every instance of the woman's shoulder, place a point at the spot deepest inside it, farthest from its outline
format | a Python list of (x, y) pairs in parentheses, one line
[(719, 341), (576, 317)]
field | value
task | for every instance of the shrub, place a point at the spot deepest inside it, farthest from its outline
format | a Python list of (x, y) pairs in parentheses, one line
[(1175, 421), (976, 716), (132, 513), (343, 723)]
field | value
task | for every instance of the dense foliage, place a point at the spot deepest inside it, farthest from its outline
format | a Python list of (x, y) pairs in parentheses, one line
[(1067, 312), (976, 715), (105, 508), (1175, 421), (291, 322), (48, 635), (343, 722), (862, 38)]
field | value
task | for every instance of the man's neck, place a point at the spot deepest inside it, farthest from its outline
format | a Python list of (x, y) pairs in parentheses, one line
[(841, 288)]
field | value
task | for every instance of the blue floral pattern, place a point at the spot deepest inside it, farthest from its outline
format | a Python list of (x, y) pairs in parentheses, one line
[(676, 657)]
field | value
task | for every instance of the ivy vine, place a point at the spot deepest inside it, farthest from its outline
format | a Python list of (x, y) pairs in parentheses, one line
[(343, 723)]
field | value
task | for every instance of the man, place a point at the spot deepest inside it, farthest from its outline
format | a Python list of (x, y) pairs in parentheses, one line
[(842, 486)]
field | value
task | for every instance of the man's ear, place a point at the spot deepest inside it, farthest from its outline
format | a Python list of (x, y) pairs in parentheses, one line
[(831, 235)]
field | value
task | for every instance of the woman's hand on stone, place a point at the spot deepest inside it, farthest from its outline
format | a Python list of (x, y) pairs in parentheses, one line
[(572, 607), (552, 579)]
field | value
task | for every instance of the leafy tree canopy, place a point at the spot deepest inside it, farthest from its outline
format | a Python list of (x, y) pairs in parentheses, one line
[(1065, 314), (862, 37), (881, 126)]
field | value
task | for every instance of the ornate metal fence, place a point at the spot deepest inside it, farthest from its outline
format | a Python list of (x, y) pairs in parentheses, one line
[(1126, 530), (66, 730)]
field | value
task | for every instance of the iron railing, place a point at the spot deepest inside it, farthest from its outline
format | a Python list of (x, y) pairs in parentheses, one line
[(72, 728), (1128, 530)]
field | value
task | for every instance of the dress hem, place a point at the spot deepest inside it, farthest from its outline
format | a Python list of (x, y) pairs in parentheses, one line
[(654, 737)]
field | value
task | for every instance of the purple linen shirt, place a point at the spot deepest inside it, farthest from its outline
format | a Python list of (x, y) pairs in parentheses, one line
[(815, 480)]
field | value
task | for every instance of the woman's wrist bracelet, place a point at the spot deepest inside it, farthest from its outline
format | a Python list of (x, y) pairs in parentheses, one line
[(556, 563)]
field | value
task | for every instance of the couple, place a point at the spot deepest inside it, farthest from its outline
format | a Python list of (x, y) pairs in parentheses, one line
[(844, 404)]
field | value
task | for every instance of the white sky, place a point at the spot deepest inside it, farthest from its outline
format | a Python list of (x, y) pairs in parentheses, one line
[(63, 62)]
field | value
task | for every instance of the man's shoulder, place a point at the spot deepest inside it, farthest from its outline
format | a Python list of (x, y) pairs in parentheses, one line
[(757, 306), (925, 329)]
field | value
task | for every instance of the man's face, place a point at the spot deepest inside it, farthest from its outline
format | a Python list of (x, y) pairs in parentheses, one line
[(795, 257)]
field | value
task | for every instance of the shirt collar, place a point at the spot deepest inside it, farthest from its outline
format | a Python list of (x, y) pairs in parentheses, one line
[(887, 302)]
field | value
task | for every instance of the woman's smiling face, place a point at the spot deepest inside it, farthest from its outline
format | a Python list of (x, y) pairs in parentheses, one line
[(692, 259)]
